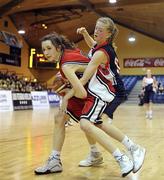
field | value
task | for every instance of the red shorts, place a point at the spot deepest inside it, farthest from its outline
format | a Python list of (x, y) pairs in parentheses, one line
[(90, 108), (74, 108)]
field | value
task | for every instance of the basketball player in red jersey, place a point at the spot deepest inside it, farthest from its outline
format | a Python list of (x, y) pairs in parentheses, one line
[(72, 64)]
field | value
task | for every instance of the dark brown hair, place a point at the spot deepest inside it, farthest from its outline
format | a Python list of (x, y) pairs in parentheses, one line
[(59, 41)]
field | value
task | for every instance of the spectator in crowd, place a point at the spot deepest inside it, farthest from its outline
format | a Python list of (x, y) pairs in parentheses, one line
[(10, 81), (141, 98), (160, 89)]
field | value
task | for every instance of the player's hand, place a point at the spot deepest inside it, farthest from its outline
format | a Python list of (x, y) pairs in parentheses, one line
[(81, 30)]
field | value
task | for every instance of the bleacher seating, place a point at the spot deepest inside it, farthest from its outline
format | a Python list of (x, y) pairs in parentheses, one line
[(159, 97), (129, 82)]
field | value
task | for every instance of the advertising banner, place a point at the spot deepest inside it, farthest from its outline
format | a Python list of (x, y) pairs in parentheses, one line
[(54, 99), (6, 103), (143, 62), (40, 99), (22, 100)]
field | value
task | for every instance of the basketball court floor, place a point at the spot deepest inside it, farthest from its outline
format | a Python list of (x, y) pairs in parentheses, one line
[(26, 141)]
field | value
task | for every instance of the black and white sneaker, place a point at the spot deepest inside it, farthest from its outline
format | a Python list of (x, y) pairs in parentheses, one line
[(126, 164), (53, 165), (138, 155)]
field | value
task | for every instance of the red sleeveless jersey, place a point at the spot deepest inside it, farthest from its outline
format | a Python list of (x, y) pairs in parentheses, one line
[(72, 57)]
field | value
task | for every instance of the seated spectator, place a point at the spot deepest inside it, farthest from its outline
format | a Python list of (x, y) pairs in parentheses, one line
[(160, 89), (141, 98)]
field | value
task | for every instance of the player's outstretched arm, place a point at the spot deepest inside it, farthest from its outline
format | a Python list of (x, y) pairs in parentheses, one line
[(98, 58)]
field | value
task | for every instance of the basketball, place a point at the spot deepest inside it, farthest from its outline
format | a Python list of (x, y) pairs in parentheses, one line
[(60, 85)]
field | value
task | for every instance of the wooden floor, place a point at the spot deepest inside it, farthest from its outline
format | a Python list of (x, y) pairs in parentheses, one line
[(26, 141)]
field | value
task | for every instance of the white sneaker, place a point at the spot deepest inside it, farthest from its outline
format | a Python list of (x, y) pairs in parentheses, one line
[(138, 155), (70, 123), (66, 124), (126, 165), (53, 165), (93, 159), (147, 115), (150, 116)]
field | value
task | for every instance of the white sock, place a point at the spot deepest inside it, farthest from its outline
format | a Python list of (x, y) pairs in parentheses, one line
[(94, 148), (127, 142), (56, 154), (150, 112), (117, 153), (110, 120)]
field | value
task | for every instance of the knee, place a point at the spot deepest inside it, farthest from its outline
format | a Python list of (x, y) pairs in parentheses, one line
[(85, 125), (59, 119)]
